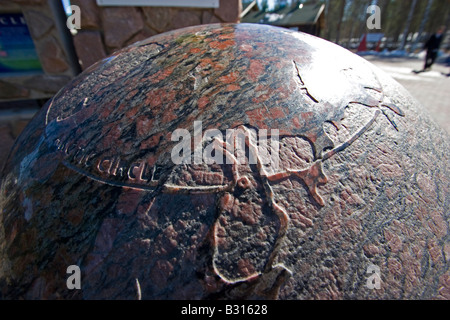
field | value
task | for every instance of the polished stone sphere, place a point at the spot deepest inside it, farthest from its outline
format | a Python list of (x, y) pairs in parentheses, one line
[(232, 161)]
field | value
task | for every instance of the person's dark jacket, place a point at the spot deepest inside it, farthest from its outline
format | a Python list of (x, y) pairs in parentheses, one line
[(433, 43)]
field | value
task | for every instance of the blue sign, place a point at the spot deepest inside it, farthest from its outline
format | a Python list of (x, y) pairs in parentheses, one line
[(17, 52)]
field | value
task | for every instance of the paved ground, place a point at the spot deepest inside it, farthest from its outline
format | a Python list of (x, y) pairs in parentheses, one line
[(431, 88)]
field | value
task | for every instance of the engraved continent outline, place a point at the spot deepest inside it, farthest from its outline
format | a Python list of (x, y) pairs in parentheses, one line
[(312, 177)]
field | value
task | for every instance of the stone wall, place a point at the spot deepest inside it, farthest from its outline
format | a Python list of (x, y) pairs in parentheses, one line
[(103, 31), (55, 61), (22, 95), (107, 29)]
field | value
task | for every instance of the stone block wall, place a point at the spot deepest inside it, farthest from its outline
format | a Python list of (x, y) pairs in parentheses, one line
[(22, 95), (107, 29)]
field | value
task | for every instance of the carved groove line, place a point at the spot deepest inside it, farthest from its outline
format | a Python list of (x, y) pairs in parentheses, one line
[(276, 209), (303, 86)]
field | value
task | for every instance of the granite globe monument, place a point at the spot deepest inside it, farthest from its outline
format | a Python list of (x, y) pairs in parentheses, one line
[(341, 191)]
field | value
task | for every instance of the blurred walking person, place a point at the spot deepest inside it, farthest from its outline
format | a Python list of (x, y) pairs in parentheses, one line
[(432, 47)]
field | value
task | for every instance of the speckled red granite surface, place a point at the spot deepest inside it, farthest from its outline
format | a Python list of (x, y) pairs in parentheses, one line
[(363, 178)]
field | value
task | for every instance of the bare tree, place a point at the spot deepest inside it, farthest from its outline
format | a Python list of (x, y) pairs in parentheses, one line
[(399, 18), (408, 24), (341, 18), (357, 18), (423, 23)]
